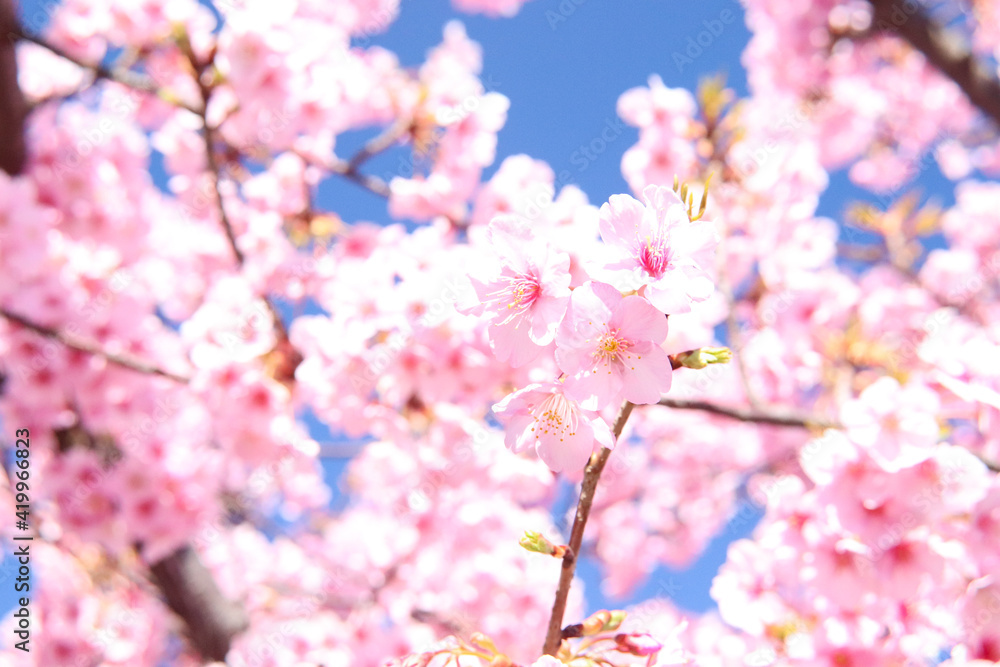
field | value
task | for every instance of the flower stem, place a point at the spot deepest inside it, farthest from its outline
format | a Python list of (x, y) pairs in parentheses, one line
[(591, 475)]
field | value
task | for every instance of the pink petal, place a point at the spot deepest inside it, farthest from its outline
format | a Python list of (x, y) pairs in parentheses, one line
[(510, 236), (638, 319), (595, 389), (569, 453), (647, 378), (590, 309), (620, 219), (513, 343), (669, 295)]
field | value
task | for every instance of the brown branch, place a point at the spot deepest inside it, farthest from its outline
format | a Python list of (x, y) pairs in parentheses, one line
[(591, 475), (343, 168), (211, 619), (74, 343), (775, 416), (124, 76), (371, 183), (213, 167), (205, 90), (944, 49), (215, 173), (13, 107), (379, 144)]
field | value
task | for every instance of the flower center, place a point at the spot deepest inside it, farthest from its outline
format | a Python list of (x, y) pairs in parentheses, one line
[(555, 416), (517, 291), (654, 255), (611, 347), (523, 290)]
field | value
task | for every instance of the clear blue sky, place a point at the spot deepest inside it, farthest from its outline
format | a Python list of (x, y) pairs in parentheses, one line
[(563, 79)]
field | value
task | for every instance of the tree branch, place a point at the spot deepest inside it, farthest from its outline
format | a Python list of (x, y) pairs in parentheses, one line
[(212, 620), (125, 77), (13, 108), (377, 145), (122, 360), (553, 637), (775, 416), (944, 49)]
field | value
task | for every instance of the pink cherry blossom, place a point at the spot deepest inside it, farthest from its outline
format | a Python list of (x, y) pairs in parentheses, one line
[(526, 302), (608, 345), (222, 355), (896, 423), (657, 245), (563, 434)]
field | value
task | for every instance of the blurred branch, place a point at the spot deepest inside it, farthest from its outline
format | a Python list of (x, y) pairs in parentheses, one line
[(90, 348), (186, 584), (591, 475), (205, 90), (774, 416), (379, 144), (343, 168), (215, 171), (13, 108), (736, 338), (124, 76), (212, 620), (944, 49)]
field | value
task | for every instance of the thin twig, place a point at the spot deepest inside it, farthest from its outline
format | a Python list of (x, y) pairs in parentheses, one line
[(125, 77), (205, 90), (774, 416), (553, 637), (760, 415), (213, 166), (71, 342), (381, 143), (371, 183), (215, 172)]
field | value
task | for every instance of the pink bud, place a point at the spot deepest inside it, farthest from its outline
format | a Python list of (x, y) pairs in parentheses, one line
[(637, 643)]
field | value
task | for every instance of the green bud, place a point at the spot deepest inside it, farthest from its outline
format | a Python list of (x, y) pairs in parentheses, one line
[(704, 356), (538, 543)]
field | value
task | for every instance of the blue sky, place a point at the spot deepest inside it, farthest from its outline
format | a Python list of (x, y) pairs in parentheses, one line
[(563, 64)]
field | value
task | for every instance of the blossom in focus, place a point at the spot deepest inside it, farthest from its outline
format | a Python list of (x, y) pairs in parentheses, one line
[(563, 434), (526, 301), (609, 345), (660, 245)]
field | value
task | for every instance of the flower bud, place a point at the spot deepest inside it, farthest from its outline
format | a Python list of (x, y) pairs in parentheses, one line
[(703, 356), (602, 621), (538, 543), (637, 643)]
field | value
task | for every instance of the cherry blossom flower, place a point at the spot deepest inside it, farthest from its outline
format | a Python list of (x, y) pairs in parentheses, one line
[(563, 434), (608, 345), (527, 300), (658, 245), (897, 424)]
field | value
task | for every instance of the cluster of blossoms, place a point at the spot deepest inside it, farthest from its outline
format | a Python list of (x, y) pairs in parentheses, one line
[(606, 346), (179, 347)]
